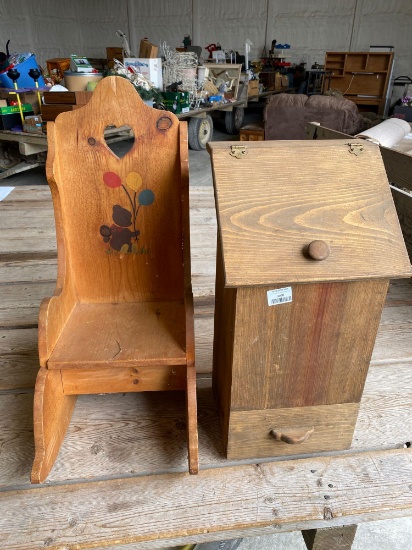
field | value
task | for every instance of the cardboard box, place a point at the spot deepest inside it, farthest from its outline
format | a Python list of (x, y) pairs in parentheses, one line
[(8, 121), (147, 50), (80, 64), (176, 102), (253, 88), (33, 125), (26, 107), (32, 99), (150, 68)]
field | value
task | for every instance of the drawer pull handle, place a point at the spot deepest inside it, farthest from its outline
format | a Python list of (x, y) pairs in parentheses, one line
[(318, 250), (279, 436)]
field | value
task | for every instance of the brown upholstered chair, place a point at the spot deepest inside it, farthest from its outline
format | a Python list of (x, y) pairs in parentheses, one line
[(286, 115)]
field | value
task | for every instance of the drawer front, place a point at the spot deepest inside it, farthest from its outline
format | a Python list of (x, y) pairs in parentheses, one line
[(285, 432)]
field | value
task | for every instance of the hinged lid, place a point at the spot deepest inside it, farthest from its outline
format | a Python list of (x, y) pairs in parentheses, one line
[(305, 211)]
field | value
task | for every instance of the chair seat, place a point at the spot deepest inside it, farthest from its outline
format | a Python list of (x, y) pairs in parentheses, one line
[(122, 335)]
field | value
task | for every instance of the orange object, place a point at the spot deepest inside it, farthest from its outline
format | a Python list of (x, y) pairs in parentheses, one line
[(121, 318), (60, 63)]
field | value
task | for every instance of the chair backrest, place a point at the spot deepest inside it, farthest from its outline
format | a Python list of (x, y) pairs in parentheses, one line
[(119, 220)]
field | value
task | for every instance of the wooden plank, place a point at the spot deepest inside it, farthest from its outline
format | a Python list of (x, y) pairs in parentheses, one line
[(52, 411), (19, 303), (321, 428), (125, 433), (121, 335), (393, 343), (6, 135), (29, 194), (70, 98), (19, 358), (398, 167), (223, 348), (266, 227), (309, 493), (50, 112), (340, 538), (403, 206), (37, 267), (314, 350), (397, 163), (154, 378), (399, 293), (110, 434)]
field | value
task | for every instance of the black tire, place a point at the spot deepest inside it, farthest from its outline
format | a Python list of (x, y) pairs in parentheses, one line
[(200, 132), (234, 120)]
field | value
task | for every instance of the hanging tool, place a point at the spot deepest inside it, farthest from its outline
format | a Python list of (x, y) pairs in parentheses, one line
[(125, 44), (14, 75), (35, 74)]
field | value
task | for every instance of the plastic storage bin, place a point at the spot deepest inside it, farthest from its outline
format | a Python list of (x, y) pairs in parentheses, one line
[(25, 81)]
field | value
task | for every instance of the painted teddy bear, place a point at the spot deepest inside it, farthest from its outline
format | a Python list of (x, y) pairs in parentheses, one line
[(119, 234)]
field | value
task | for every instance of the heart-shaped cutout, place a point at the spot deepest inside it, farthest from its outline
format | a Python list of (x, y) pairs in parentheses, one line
[(119, 139)]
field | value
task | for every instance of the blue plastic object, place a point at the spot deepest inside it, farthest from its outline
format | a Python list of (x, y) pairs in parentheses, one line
[(24, 81)]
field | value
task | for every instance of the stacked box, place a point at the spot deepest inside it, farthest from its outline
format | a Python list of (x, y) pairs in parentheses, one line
[(10, 116), (149, 68), (176, 102)]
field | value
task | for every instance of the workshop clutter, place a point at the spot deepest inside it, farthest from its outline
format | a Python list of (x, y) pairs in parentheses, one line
[(61, 102), (181, 79), (23, 63), (176, 102), (10, 115), (150, 68)]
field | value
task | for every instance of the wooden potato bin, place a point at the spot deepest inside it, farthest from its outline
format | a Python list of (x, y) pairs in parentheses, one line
[(308, 238)]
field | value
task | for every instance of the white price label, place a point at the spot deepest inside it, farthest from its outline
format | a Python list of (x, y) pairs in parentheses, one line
[(279, 296)]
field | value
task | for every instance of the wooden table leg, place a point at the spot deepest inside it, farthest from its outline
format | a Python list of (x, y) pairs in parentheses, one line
[(330, 538)]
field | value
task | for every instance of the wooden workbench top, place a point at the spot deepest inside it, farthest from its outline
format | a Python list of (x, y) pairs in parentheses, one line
[(120, 476)]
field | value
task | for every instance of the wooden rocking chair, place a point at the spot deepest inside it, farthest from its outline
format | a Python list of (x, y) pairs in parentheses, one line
[(121, 318)]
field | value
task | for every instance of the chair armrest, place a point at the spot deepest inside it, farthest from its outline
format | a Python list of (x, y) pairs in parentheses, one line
[(53, 315)]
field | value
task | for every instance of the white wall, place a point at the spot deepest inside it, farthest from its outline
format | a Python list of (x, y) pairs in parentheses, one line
[(54, 28)]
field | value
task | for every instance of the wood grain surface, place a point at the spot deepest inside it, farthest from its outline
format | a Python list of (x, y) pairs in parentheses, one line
[(119, 335), (178, 506), (52, 411), (119, 438), (249, 431), (123, 295), (314, 350), (87, 202), (340, 538), (403, 205), (132, 379), (268, 215)]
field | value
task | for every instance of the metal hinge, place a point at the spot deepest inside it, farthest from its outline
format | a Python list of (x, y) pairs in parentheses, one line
[(356, 148), (237, 151)]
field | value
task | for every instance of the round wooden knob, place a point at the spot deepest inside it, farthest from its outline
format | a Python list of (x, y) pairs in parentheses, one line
[(318, 250)]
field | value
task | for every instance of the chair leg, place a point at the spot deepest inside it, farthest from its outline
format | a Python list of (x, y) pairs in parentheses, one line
[(192, 439), (52, 414)]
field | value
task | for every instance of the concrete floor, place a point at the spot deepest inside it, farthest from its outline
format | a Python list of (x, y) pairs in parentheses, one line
[(378, 535)]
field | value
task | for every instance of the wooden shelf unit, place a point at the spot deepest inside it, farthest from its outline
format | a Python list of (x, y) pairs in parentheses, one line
[(363, 77)]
